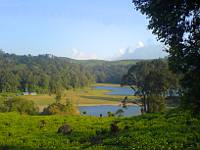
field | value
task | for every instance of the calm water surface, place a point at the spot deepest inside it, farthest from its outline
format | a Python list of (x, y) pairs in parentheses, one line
[(97, 110)]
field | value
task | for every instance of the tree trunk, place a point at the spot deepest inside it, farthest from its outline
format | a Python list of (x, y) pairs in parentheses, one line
[(144, 102), (148, 106)]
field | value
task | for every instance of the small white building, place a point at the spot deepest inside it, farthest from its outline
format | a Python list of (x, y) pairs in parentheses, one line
[(25, 93), (29, 93), (33, 93)]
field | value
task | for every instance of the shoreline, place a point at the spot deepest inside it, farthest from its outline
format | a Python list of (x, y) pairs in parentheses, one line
[(88, 105), (118, 104)]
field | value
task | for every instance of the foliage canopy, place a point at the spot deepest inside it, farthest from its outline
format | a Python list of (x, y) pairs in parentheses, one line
[(177, 24), (152, 80)]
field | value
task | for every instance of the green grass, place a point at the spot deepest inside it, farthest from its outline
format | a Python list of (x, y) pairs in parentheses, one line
[(173, 130), (106, 84)]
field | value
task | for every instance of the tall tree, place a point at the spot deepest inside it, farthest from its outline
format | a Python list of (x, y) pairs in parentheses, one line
[(135, 79), (150, 80), (177, 24)]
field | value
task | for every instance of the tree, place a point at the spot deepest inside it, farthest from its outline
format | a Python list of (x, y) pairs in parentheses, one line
[(150, 80), (135, 79), (177, 24), (8, 81), (156, 84)]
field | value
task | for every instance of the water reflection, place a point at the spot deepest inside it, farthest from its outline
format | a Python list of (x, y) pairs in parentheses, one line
[(116, 110)]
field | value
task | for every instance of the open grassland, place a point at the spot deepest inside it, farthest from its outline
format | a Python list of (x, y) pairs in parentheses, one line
[(81, 97), (173, 130)]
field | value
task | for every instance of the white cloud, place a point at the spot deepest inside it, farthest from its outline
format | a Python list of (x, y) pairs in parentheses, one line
[(119, 53), (77, 54), (130, 50), (141, 52), (140, 44), (122, 51)]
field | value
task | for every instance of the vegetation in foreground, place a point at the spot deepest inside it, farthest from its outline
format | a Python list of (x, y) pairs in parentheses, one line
[(172, 130)]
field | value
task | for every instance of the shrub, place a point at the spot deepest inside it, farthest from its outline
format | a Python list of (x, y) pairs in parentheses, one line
[(17, 104), (61, 109)]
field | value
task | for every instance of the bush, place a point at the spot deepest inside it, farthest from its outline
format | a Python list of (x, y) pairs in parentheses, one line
[(61, 109), (17, 104)]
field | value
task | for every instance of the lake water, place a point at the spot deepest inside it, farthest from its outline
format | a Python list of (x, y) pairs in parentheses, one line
[(97, 110), (126, 91)]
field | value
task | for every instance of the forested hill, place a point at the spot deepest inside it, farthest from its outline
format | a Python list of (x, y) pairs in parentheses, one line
[(107, 71), (43, 73), (48, 73), (91, 63)]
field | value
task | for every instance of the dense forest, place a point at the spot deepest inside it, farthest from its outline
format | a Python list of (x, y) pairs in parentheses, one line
[(107, 71), (43, 73), (48, 73)]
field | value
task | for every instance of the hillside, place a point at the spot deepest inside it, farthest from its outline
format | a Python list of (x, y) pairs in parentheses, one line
[(36, 73), (171, 130), (92, 63), (107, 71), (43, 74)]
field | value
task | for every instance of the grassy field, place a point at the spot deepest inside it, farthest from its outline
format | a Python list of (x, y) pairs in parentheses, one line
[(85, 96), (168, 131)]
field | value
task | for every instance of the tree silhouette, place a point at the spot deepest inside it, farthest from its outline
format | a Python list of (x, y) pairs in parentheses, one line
[(177, 24)]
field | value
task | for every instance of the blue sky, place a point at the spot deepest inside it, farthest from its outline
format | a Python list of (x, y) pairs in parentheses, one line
[(80, 29)]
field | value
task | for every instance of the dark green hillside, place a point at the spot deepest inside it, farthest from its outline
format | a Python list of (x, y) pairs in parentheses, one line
[(173, 130), (107, 71), (43, 74), (92, 63)]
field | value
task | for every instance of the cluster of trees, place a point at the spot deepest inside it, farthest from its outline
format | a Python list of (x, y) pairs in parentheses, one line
[(153, 81), (109, 73), (177, 24), (47, 73), (43, 74)]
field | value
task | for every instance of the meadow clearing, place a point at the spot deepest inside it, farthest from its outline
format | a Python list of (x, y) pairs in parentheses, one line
[(88, 96)]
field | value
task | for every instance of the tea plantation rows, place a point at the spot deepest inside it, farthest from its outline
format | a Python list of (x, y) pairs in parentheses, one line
[(172, 130)]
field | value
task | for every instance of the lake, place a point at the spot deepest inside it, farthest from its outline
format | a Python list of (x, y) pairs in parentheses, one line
[(104, 109), (126, 91), (97, 110)]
